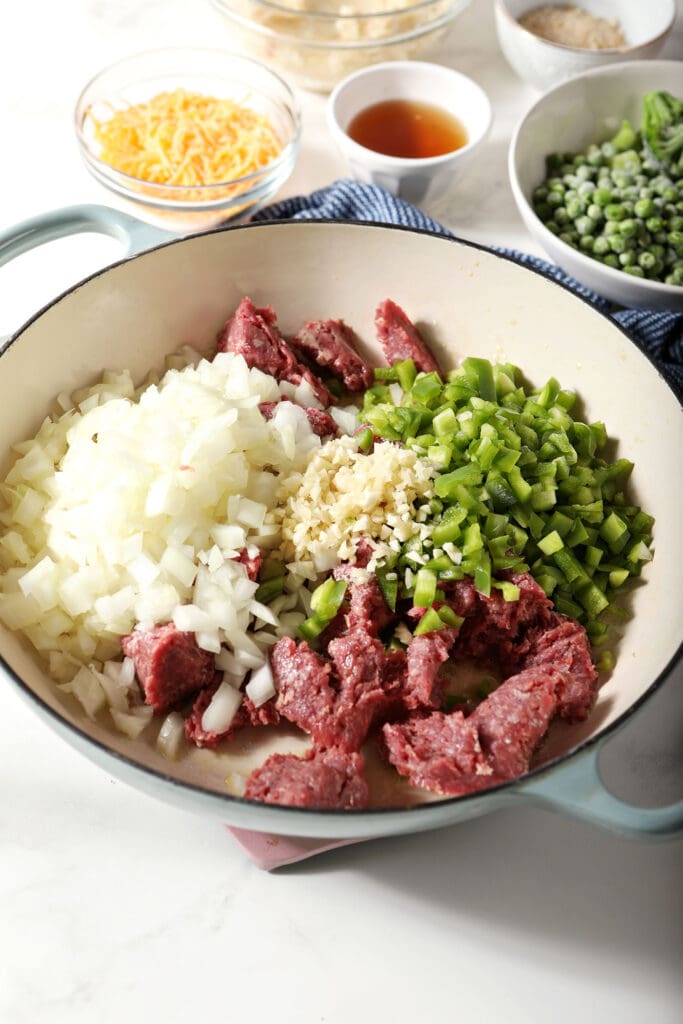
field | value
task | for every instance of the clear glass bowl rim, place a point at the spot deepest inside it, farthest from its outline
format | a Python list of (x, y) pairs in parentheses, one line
[(454, 7)]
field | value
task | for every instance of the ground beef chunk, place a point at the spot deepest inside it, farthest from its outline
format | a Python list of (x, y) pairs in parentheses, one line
[(252, 563), (321, 422), (422, 687), (364, 552), (253, 334), (461, 596), (247, 714), (302, 679), (331, 344), (496, 626), (365, 674), (564, 648), (364, 607), (328, 778), (169, 664), (440, 753), (513, 720), (400, 338)]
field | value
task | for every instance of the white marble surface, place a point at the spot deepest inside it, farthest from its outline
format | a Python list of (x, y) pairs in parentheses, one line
[(117, 908)]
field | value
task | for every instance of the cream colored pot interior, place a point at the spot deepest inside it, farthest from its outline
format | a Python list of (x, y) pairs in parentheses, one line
[(466, 300)]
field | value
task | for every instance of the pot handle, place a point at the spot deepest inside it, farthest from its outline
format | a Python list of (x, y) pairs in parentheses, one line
[(578, 789), (70, 220)]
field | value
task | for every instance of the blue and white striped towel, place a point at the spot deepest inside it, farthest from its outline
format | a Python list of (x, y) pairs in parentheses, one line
[(658, 333)]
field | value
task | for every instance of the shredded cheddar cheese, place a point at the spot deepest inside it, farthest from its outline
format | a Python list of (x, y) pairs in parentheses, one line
[(186, 139)]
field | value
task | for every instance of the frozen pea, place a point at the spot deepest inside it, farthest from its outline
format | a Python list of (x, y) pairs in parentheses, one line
[(585, 225), (644, 207), (602, 196), (575, 207), (628, 227), (647, 260)]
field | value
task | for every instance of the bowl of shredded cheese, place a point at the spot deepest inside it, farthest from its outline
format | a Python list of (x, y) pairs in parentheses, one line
[(190, 137)]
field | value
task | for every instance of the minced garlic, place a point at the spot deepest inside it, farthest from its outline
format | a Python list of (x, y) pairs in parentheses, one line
[(343, 495)]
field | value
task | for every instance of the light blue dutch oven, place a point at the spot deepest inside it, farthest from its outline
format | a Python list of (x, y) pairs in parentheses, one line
[(167, 292)]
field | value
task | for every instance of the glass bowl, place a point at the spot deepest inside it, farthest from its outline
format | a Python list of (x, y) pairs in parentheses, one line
[(316, 43), (215, 73)]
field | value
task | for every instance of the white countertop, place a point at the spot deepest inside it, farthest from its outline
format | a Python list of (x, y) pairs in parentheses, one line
[(118, 908)]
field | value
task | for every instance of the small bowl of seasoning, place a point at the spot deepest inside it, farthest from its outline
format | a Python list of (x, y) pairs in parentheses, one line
[(411, 127), (547, 43), (189, 137)]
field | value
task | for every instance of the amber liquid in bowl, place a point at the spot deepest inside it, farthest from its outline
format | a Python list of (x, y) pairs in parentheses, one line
[(408, 129)]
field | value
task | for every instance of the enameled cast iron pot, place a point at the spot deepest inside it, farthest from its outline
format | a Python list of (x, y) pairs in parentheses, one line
[(469, 301)]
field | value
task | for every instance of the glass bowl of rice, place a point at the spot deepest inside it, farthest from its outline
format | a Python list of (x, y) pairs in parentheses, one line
[(189, 137), (316, 43)]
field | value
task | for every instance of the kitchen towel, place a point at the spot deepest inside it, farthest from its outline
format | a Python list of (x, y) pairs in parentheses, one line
[(658, 333)]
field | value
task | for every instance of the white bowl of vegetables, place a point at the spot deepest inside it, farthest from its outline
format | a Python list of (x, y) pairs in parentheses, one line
[(596, 169)]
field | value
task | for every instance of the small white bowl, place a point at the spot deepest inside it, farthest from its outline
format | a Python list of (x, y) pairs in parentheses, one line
[(645, 24), (420, 180), (589, 108)]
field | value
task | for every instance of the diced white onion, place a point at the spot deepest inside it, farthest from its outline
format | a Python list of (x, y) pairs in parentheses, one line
[(171, 735), (86, 686), (222, 709), (261, 686), (345, 420), (132, 723)]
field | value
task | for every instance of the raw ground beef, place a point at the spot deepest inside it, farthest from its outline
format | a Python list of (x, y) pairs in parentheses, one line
[(247, 714), (440, 753), (357, 685), (252, 563), (363, 607), (366, 677), (335, 700), (563, 647), (400, 338), (253, 334), (422, 686), (169, 664), (513, 720), (493, 626), (302, 679), (331, 344), (325, 778)]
